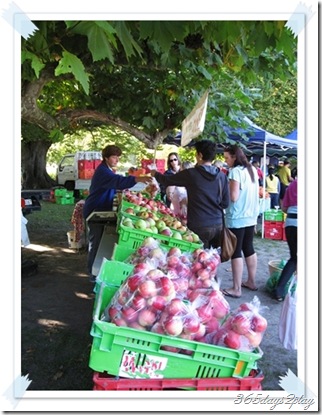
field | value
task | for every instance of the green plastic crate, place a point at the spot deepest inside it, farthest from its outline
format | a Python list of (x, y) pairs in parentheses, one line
[(111, 274), (114, 272), (60, 192), (133, 238), (274, 215), (121, 252), (61, 200), (131, 353)]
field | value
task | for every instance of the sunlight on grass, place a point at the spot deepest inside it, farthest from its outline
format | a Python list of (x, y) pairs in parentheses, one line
[(84, 296), (51, 323), (44, 248), (38, 248)]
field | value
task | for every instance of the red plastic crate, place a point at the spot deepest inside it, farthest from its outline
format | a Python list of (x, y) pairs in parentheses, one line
[(104, 381), (86, 174), (85, 164), (273, 230), (97, 163), (284, 234), (160, 163)]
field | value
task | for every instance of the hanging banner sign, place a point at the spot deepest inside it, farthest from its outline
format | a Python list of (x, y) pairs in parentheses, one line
[(194, 124)]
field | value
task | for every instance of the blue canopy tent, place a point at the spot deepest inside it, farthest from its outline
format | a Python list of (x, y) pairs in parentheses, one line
[(258, 139), (292, 135)]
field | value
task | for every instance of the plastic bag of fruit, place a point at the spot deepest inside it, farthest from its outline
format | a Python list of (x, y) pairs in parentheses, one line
[(141, 298), (152, 189), (243, 329)]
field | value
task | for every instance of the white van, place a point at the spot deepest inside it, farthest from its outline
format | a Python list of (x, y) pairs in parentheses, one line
[(68, 172)]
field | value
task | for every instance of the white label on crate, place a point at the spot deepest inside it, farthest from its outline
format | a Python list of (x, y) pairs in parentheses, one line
[(141, 365)]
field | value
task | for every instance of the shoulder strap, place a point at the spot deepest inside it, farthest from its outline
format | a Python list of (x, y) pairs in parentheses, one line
[(222, 210)]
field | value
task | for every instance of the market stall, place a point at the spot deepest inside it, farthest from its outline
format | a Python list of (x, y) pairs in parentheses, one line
[(160, 320)]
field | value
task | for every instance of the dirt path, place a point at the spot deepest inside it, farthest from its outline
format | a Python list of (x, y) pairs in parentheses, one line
[(57, 305)]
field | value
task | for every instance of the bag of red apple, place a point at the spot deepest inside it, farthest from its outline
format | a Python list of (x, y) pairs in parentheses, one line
[(243, 329), (151, 251), (140, 299), (152, 188), (211, 307)]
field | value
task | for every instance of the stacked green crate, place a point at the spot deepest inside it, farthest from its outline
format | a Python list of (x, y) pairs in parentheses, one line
[(64, 197)]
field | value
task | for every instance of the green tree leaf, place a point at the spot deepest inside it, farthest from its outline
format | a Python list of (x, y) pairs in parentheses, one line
[(72, 64), (36, 64)]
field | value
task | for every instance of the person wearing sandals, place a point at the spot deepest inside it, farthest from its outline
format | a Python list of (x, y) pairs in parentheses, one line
[(241, 218), (290, 208)]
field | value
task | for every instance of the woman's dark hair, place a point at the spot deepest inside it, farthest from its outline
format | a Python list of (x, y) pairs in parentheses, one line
[(207, 148), (294, 172), (241, 159), (111, 150), (271, 172), (170, 155)]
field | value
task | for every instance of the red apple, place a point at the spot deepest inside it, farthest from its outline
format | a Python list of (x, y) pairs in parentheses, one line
[(203, 274), (147, 289), (180, 285), (232, 340), (205, 313), (173, 261), (134, 281), (191, 324), (157, 328), (183, 270), (245, 307), (129, 314), (138, 302), (196, 252), (167, 287), (174, 251), (135, 325), (155, 274), (112, 312), (259, 323), (120, 322), (200, 333), (158, 302), (123, 297), (173, 325), (241, 323), (220, 307), (254, 338), (212, 325), (146, 317), (176, 306)]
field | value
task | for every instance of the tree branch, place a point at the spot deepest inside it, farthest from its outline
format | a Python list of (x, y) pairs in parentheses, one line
[(75, 116)]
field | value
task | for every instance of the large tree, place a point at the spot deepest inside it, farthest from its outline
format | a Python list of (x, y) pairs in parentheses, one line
[(143, 77)]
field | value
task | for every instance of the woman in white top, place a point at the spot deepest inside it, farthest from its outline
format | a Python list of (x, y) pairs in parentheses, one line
[(241, 217), (178, 196)]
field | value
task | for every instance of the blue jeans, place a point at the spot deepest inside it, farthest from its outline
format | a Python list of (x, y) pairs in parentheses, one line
[(290, 267), (95, 232), (275, 200)]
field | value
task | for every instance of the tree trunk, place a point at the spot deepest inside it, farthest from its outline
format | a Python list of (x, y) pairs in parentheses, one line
[(33, 165)]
